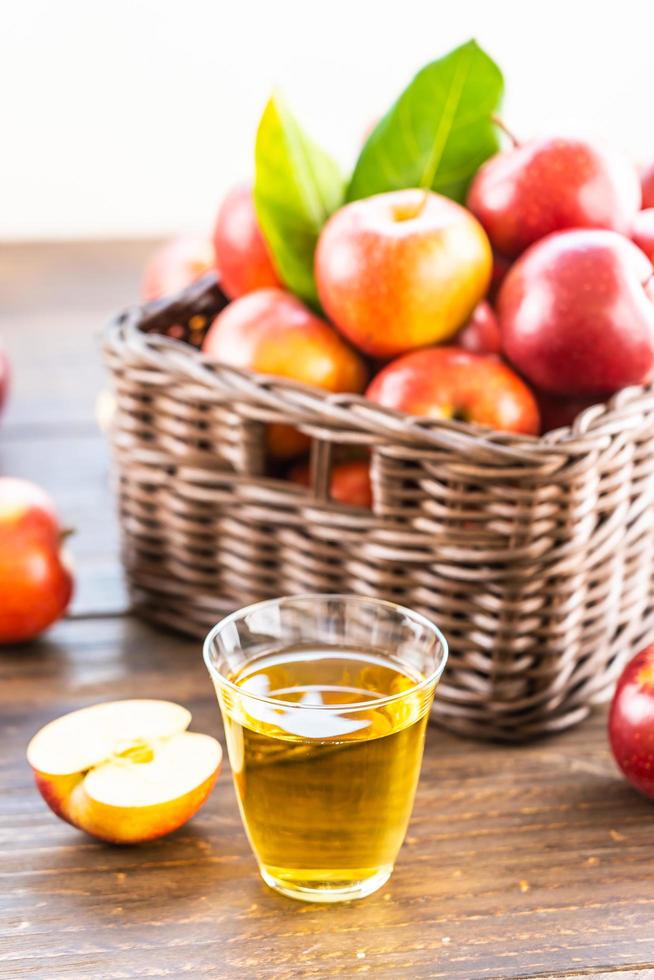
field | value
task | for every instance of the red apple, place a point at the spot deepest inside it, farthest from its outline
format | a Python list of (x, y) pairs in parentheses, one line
[(548, 185), (558, 413), (272, 332), (35, 584), (4, 378), (481, 334), (631, 722), (401, 270), (501, 265), (446, 382), (647, 185), (577, 316), (176, 265), (349, 483), (642, 232), (242, 255)]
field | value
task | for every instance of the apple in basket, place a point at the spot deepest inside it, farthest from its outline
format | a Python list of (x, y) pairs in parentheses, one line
[(35, 582), (481, 334), (647, 185), (272, 332), (450, 383), (631, 722), (176, 265), (401, 270), (124, 771), (577, 314), (349, 482), (243, 259), (5, 374), (642, 232)]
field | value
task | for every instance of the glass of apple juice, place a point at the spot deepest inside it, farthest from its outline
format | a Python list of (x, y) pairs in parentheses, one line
[(325, 700)]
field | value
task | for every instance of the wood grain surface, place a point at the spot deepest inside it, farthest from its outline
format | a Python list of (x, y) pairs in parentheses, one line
[(535, 861)]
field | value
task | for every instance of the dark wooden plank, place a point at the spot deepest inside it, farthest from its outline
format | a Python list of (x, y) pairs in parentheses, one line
[(529, 861)]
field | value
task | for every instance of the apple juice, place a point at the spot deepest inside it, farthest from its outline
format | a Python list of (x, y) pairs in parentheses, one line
[(325, 770)]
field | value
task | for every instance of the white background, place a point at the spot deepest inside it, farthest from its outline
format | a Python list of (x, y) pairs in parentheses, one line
[(131, 117)]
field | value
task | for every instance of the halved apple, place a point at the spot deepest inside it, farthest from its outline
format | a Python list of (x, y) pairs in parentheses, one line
[(125, 771)]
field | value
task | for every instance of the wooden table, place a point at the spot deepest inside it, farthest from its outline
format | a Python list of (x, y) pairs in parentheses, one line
[(520, 862)]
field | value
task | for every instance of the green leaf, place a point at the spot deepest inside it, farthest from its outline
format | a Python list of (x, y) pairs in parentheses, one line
[(439, 131), (296, 188)]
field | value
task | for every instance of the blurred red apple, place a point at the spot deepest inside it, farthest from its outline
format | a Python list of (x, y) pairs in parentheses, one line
[(35, 584), (349, 482), (272, 332), (647, 185), (5, 374), (242, 256), (501, 266), (642, 232), (548, 185), (631, 722), (446, 383), (557, 413), (176, 265), (577, 314), (401, 270), (481, 334)]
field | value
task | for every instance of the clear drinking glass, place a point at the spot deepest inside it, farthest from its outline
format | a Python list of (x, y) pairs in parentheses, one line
[(325, 700)]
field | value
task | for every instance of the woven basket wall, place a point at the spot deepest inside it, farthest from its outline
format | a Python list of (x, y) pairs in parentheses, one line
[(534, 556)]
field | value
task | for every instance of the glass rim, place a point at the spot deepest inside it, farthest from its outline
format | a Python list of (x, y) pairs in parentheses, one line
[(431, 678)]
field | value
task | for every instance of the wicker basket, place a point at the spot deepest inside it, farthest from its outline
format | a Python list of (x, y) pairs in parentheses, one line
[(535, 556)]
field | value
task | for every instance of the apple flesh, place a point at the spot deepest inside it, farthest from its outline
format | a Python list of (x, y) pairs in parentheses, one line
[(642, 232), (548, 185), (35, 584), (175, 266), (481, 334), (124, 771), (631, 722), (447, 382), (349, 482), (401, 270), (272, 332), (242, 256), (577, 314)]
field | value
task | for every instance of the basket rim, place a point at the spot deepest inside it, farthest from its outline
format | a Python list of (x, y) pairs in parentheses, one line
[(593, 428)]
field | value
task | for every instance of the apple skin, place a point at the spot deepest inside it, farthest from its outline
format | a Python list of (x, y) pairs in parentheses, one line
[(481, 334), (35, 585), (576, 314), (558, 413), (547, 185), (631, 722), (401, 270), (447, 382), (272, 332), (175, 266), (349, 483), (242, 256), (501, 265), (5, 374), (642, 232), (67, 798), (647, 185)]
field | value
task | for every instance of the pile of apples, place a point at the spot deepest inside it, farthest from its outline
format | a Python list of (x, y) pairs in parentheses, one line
[(515, 312)]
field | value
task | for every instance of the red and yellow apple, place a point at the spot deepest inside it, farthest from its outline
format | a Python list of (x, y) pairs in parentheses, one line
[(450, 383), (349, 482), (631, 722), (577, 314), (272, 332), (124, 771), (176, 265), (242, 256), (401, 270), (547, 185), (481, 334), (35, 583)]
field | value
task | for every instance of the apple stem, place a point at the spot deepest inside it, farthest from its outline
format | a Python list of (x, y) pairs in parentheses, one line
[(65, 533), (501, 125), (421, 206)]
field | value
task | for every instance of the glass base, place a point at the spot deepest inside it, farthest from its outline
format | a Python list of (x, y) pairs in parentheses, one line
[(315, 886)]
